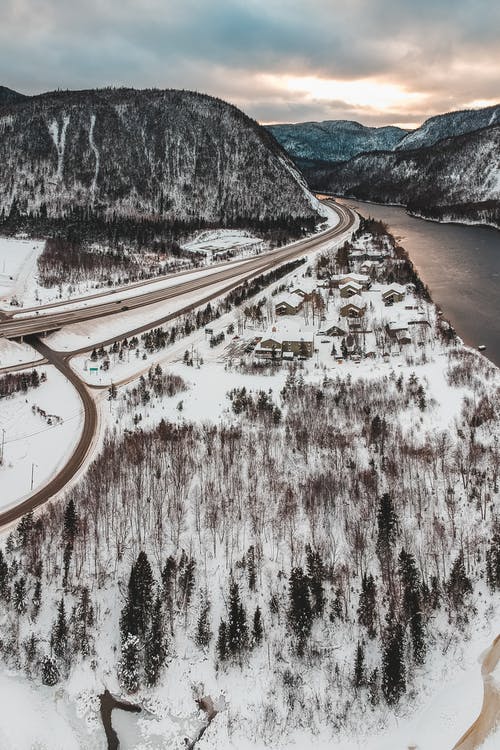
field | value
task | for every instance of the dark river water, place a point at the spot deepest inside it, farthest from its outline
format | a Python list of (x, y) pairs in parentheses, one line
[(460, 265)]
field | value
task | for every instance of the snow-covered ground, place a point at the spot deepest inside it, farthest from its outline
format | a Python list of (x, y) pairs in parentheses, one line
[(34, 444), (13, 353), (17, 265), (215, 242)]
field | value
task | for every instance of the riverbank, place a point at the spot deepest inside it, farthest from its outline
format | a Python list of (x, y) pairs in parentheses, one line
[(459, 264)]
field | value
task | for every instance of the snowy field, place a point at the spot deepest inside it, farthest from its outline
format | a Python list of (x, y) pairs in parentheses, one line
[(17, 266), (35, 442), (13, 353)]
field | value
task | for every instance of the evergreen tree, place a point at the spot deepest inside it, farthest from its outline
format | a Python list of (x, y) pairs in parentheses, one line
[(137, 611), (257, 629), (374, 688), (60, 632), (20, 595), (412, 604), (493, 562), (359, 666), (367, 605), (70, 526), (222, 641), (37, 599), (129, 664), (4, 577), (237, 631), (168, 579), (203, 632), (50, 673), (316, 575), (299, 612), (82, 619), (387, 524), (155, 652), (186, 580), (458, 585), (252, 576), (393, 668)]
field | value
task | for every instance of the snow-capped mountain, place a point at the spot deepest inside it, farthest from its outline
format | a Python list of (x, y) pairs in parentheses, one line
[(456, 178), (173, 155), (334, 140), (450, 124)]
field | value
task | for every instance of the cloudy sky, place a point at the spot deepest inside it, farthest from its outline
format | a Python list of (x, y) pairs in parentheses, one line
[(376, 61)]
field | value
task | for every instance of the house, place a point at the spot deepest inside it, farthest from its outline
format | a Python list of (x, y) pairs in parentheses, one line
[(356, 278), (354, 308), (285, 343), (398, 331), (350, 289), (288, 304), (395, 293), (330, 329), (300, 291)]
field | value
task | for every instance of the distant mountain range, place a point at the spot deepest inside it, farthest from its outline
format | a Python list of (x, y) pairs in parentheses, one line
[(334, 140), (144, 155), (448, 169)]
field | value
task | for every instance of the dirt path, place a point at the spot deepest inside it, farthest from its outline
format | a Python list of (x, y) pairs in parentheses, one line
[(108, 704), (489, 717)]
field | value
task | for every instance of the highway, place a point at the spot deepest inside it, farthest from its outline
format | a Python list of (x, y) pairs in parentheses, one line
[(48, 318), (32, 326)]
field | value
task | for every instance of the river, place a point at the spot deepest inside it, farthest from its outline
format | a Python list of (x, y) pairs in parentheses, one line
[(460, 265)]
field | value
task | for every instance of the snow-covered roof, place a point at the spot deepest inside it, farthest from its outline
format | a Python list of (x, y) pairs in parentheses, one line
[(361, 278), (351, 285), (293, 299), (397, 288), (397, 325), (357, 301)]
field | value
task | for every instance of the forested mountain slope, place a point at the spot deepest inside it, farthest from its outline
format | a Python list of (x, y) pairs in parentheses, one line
[(334, 140), (169, 155), (450, 124), (458, 178)]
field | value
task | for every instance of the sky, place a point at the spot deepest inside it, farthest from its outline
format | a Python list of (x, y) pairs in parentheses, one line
[(378, 62)]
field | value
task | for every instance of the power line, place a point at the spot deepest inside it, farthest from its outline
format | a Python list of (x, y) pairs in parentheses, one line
[(45, 429)]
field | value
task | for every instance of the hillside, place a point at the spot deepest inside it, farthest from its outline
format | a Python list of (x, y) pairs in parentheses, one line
[(334, 140), (450, 124), (157, 155), (458, 178), (8, 96)]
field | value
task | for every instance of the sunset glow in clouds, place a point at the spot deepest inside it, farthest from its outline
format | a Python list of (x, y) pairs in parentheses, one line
[(375, 61)]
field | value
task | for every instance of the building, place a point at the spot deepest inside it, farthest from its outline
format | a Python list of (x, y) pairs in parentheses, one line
[(354, 308), (285, 343), (331, 329), (288, 304), (398, 331), (395, 293), (350, 289), (356, 278)]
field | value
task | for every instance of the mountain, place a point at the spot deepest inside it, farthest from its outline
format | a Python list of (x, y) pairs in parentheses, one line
[(157, 155), (457, 178), (450, 124), (334, 140), (8, 96)]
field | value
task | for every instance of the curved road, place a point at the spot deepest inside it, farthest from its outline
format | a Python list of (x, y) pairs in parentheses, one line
[(60, 360), (489, 717)]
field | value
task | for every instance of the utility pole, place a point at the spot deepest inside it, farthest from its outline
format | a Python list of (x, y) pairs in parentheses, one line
[(3, 444), (32, 473)]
